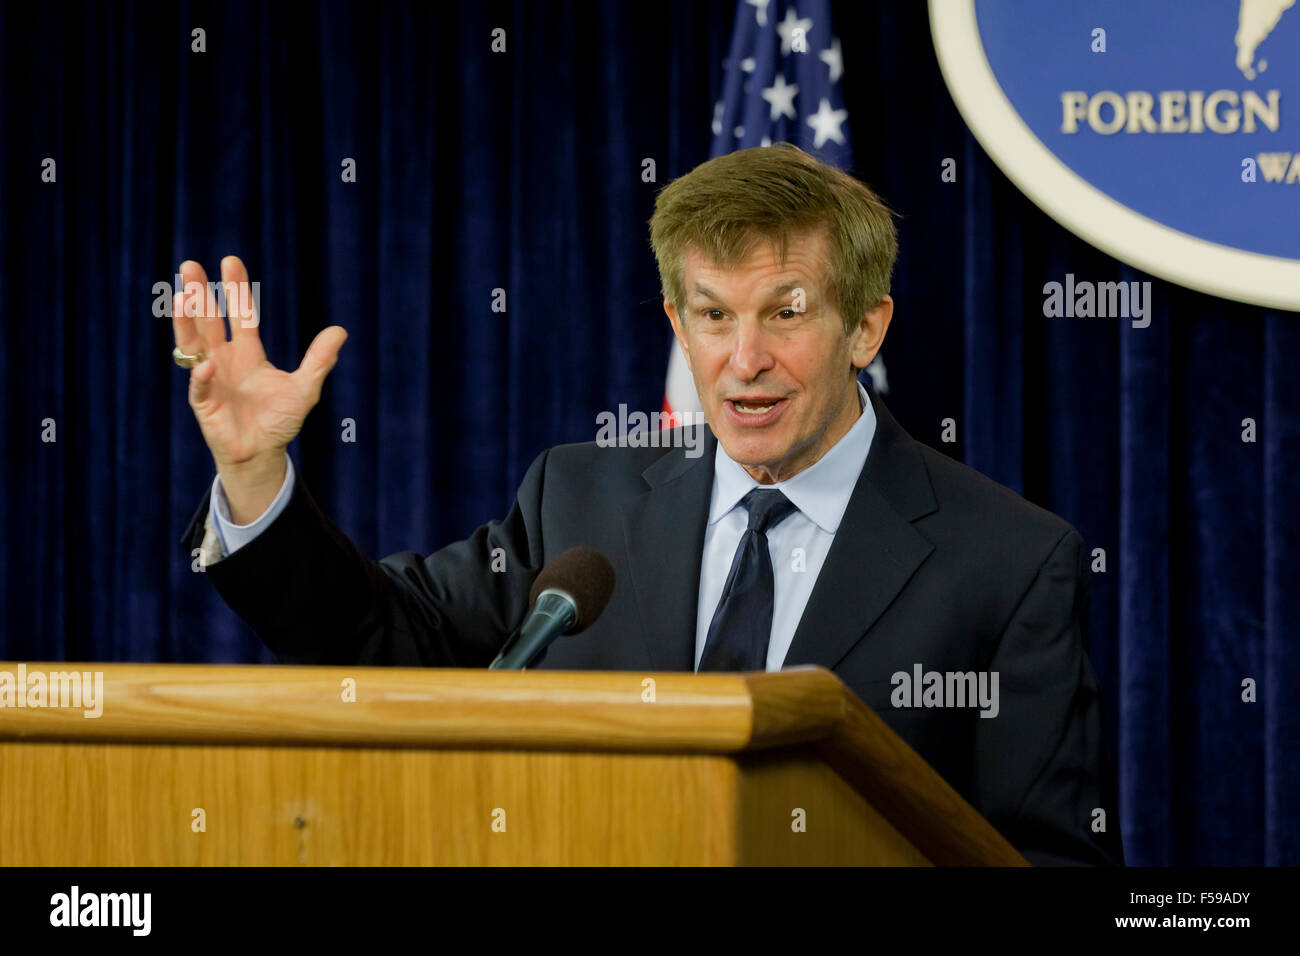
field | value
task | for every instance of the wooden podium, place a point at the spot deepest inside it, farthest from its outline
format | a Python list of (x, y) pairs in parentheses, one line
[(269, 765)]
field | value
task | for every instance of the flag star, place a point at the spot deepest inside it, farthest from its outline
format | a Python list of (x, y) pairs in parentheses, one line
[(826, 123), (781, 98), (748, 64), (740, 132), (717, 118), (787, 27), (760, 10), (766, 141), (833, 58)]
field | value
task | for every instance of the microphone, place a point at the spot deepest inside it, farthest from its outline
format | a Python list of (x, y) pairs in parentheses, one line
[(566, 598)]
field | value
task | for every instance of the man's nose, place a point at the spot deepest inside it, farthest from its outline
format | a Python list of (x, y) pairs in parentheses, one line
[(751, 353)]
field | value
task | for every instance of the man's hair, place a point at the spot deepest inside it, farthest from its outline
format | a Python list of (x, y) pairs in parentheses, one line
[(722, 207)]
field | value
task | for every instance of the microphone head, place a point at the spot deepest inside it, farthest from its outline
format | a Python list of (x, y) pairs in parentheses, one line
[(585, 575)]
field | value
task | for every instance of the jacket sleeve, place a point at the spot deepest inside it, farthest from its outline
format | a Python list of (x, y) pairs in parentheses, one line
[(314, 598), (1041, 774)]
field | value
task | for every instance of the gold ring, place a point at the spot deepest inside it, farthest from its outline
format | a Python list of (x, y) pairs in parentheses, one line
[(186, 361)]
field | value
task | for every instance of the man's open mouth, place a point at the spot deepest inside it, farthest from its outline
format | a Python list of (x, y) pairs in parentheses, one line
[(754, 406), (755, 409)]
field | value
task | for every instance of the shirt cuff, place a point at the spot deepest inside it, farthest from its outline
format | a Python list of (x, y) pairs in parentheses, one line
[(235, 536)]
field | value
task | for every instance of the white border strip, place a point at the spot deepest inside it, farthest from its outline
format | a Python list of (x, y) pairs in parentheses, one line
[(1269, 281)]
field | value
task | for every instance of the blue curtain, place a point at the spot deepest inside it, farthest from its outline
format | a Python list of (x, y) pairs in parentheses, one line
[(485, 177)]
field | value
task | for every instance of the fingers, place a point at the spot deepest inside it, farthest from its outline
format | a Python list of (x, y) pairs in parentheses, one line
[(187, 336), (201, 377), (241, 309), (321, 356), (200, 306)]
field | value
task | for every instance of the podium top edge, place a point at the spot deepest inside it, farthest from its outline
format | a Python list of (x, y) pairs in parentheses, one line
[(414, 707)]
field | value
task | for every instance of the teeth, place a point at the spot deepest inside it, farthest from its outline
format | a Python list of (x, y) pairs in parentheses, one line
[(753, 409)]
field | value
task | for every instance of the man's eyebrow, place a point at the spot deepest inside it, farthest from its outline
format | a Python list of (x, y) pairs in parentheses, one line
[(783, 289)]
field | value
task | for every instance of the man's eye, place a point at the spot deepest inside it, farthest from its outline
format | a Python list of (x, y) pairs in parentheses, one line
[(713, 314), (787, 313)]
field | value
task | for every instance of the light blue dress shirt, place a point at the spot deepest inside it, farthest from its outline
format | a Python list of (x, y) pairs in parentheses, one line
[(798, 545), (235, 536)]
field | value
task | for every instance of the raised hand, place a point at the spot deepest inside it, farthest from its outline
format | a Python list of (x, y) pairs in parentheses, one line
[(247, 409)]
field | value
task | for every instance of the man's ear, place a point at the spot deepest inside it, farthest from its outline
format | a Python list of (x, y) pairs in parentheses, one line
[(870, 333), (678, 331)]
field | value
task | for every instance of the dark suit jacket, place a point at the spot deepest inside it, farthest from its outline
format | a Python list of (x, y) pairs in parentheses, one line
[(933, 564)]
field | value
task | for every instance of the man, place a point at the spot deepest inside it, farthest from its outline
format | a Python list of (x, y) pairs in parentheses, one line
[(813, 529)]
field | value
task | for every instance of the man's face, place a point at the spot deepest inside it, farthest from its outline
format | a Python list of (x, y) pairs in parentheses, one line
[(778, 385)]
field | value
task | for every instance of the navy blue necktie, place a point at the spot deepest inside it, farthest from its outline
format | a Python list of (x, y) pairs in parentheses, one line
[(742, 624)]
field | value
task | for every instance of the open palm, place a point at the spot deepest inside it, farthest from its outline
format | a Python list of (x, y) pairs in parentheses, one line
[(245, 406)]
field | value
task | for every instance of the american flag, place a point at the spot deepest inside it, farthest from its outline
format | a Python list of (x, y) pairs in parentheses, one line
[(782, 84)]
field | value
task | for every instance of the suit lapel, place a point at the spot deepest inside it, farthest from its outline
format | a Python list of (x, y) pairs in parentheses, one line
[(665, 539), (875, 552)]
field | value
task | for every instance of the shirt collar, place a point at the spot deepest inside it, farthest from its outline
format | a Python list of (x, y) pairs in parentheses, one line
[(821, 491)]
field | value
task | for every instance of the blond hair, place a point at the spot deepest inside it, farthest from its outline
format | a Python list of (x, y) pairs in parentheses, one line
[(722, 207)]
